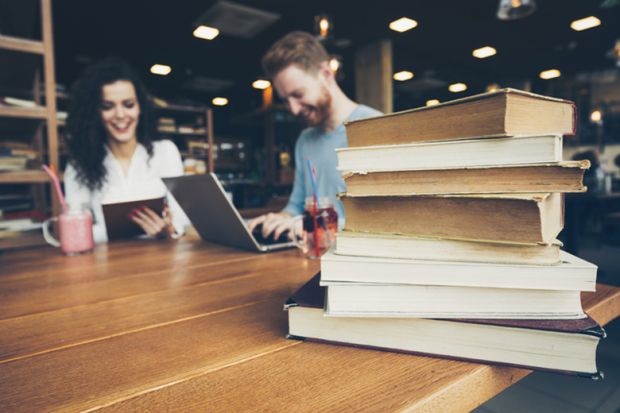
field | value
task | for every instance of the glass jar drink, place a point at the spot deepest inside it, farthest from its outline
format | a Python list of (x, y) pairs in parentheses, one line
[(319, 224)]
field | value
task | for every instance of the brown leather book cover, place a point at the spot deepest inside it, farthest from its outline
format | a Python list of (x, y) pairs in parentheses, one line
[(506, 112), (117, 221), (312, 295)]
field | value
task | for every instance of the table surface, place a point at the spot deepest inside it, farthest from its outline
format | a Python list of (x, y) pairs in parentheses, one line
[(190, 326)]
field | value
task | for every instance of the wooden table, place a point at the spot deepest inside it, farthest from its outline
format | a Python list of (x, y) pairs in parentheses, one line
[(189, 326)]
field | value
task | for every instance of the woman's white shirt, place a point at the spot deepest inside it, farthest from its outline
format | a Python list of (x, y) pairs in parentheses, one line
[(143, 181)]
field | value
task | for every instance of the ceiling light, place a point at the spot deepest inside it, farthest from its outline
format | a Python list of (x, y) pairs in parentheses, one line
[(261, 84), (220, 101), (158, 69), (206, 32), (403, 75), (596, 116), (585, 23), (483, 52), (403, 24), (457, 87), (614, 53), (432, 102), (515, 9), (492, 87), (334, 64), (550, 74), (323, 25)]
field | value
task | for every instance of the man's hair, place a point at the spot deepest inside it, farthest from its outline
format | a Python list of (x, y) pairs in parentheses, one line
[(298, 48)]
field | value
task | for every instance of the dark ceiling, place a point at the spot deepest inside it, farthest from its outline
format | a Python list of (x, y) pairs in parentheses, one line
[(147, 32)]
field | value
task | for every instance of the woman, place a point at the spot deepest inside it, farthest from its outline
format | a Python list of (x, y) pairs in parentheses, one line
[(112, 155)]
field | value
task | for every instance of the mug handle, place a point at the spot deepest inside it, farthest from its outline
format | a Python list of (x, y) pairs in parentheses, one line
[(49, 238)]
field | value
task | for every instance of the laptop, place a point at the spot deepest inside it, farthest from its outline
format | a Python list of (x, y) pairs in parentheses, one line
[(216, 219)]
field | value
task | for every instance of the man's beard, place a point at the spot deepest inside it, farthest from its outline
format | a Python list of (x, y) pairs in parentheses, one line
[(320, 111)]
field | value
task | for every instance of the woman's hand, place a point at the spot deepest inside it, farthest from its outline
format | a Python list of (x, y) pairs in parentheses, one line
[(153, 224)]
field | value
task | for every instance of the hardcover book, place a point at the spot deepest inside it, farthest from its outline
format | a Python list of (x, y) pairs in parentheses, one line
[(118, 223), (572, 273), (505, 112), (367, 244), (564, 176), (513, 218), (348, 299), (451, 154), (564, 346)]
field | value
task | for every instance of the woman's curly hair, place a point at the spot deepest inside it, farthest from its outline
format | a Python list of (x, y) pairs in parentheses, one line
[(86, 137)]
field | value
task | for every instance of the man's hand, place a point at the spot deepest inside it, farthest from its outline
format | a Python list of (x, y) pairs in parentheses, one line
[(275, 223)]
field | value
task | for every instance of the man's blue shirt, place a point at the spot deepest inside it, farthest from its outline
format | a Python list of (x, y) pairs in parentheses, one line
[(320, 147)]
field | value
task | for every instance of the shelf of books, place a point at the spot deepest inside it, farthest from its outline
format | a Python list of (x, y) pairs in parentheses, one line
[(191, 129), (28, 127), (26, 113), (22, 176)]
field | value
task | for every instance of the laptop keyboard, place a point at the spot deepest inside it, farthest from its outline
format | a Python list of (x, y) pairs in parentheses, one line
[(257, 234)]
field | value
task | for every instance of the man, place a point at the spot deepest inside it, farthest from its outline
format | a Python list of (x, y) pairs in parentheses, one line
[(298, 66)]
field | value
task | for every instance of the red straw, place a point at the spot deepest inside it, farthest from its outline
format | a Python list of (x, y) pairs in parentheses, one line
[(316, 228), (56, 183), (315, 191)]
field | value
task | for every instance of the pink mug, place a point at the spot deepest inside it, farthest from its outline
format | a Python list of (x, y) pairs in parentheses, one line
[(76, 231)]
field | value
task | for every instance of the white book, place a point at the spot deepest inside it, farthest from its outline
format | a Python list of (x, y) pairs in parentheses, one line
[(367, 244), (514, 150), (524, 347), (561, 345), (429, 301), (572, 274)]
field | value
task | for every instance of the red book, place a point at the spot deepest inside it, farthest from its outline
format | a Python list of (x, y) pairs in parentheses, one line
[(563, 346)]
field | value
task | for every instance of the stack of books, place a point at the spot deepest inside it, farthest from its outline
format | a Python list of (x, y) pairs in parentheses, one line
[(449, 246), (16, 156)]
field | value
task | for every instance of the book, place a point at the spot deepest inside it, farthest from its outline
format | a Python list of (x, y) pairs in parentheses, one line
[(19, 224), (118, 223), (564, 176), (13, 163), (447, 301), (564, 346), (17, 152), (505, 112), (512, 218), (12, 101), (451, 154), (367, 244), (572, 273)]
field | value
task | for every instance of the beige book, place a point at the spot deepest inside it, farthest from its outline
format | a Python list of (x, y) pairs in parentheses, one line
[(506, 112), (564, 176), (366, 244), (512, 218)]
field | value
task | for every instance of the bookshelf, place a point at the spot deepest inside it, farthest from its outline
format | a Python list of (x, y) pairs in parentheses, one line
[(200, 117), (44, 134)]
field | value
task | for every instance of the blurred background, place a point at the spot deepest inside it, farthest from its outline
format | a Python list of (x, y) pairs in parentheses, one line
[(201, 63)]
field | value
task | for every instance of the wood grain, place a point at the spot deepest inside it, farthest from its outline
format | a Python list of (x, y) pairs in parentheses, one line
[(190, 326), (195, 291), (90, 375), (321, 377), (73, 287)]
